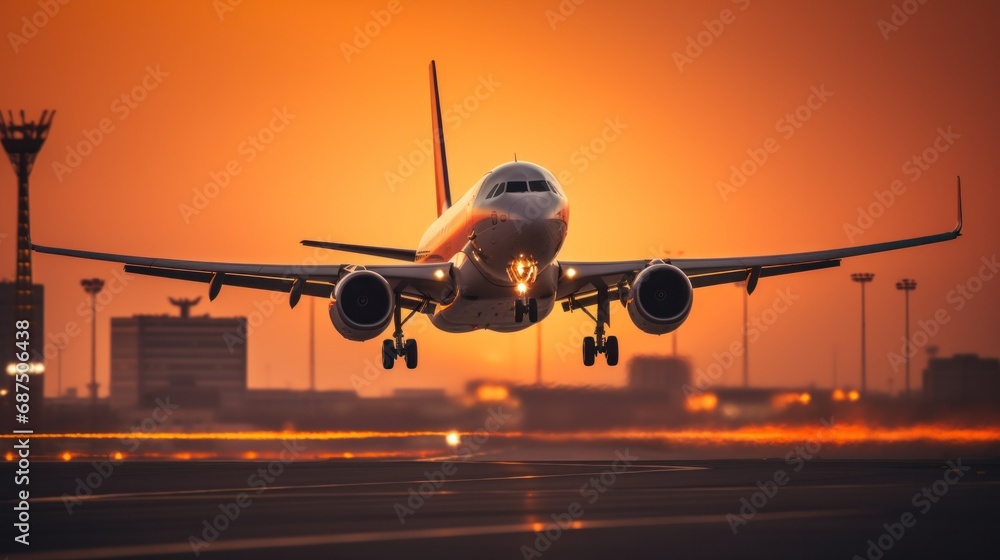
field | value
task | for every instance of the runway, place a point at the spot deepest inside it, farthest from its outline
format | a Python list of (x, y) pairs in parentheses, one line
[(622, 507)]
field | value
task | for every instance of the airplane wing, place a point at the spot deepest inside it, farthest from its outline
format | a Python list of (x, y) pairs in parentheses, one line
[(580, 280), (419, 285)]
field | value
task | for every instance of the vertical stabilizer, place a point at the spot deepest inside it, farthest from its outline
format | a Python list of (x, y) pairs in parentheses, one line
[(440, 158)]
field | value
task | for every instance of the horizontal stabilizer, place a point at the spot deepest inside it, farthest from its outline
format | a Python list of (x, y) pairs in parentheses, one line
[(409, 255)]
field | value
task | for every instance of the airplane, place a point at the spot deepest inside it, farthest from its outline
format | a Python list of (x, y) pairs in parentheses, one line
[(490, 261)]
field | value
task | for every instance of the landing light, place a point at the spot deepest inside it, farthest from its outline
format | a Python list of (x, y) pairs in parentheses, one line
[(570, 272), (522, 287), (453, 439), (853, 396), (439, 274)]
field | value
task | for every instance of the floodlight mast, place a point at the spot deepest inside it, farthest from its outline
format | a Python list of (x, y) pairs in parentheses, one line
[(22, 141)]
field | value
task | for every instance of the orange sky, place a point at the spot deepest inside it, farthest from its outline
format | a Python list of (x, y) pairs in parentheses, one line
[(211, 81)]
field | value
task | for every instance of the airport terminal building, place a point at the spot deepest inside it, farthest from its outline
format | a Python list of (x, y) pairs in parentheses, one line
[(192, 360)]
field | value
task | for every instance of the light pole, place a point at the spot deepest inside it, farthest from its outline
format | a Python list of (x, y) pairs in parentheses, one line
[(93, 286), (863, 278), (312, 344), (907, 285), (746, 328)]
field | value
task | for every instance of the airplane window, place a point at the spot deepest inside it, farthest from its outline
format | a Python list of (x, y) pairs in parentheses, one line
[(554, 189), (517, 186), (499, 189), (493, 191), (538, 186)]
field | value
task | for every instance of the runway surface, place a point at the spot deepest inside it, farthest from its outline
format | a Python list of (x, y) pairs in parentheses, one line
[(802, 508)]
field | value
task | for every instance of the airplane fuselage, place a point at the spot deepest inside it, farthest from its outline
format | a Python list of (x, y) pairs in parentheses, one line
[(502, 238)]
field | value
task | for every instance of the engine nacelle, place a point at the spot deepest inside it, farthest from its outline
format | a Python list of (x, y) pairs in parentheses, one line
[(660, 298), (362, 305)]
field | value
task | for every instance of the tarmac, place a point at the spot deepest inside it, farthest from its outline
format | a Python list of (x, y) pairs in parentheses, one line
[(621, 508)]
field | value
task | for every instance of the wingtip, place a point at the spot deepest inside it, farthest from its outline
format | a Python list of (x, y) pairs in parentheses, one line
[(958, 226)]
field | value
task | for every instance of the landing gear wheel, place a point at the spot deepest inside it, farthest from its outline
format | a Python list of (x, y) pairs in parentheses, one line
[(388, 353), (611, 350), (518, 311), (410, 352), (533, 310), (589, 351)]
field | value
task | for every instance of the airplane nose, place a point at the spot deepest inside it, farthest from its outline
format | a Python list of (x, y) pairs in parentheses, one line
[(534, 207)]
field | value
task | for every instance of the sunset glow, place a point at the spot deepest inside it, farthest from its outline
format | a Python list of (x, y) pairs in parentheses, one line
[(331, 170)]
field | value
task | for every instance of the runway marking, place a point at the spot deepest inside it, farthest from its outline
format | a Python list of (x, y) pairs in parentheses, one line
[(260, 489), (414, 534)]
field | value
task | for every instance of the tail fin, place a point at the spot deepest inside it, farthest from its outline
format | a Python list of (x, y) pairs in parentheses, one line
[(440, 158)]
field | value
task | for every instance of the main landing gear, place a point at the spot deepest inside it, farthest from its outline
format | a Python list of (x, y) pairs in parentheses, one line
[(397, 347), (599, 344)]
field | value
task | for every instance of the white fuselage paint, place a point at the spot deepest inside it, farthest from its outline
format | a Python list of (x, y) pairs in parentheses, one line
[(481, 236)]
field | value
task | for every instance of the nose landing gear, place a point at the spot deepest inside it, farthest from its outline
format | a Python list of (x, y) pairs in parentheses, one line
[(523, 271), (530, 307)]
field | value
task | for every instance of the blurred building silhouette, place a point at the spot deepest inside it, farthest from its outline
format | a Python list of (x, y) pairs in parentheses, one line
[(962, 380), (198, 362), (662, 374), (653, 396)]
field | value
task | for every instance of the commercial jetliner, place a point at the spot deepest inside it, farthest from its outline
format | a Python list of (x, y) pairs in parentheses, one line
[(490, 261)]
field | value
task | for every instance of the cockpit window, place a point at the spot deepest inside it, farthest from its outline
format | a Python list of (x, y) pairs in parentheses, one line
[(517, 186), (538, 186), (493, 191), (555, 190)]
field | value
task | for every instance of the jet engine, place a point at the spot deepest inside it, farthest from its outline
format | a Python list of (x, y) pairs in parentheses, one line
[(362, 305), (660, 298)]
